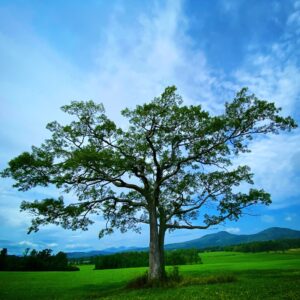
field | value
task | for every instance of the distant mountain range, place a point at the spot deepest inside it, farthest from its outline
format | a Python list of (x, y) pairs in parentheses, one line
[(103, 252), (222, 238)]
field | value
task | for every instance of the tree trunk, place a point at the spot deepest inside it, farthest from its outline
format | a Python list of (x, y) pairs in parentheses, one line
[(156, 261), (161, 241)]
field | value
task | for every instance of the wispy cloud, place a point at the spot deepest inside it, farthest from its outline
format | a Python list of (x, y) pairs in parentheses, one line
[(267, 219), (52, 245), (158, 54), (275, 75), (275, 162)]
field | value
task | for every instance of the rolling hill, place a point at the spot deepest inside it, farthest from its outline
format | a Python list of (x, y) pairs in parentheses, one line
[(222, 238)]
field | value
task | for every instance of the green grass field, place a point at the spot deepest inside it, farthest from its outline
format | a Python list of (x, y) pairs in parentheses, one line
[(259, 276)]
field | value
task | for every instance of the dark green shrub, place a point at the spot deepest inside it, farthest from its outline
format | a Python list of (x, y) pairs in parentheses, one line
[(174, 275)]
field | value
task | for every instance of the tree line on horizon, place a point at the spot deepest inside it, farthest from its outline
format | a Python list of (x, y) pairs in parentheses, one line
[(182, 256), (132, 259), (141, 259), (261, 246), (44, 260), (35, 261)]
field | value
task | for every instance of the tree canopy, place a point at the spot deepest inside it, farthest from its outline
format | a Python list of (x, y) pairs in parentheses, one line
[(172, 168)]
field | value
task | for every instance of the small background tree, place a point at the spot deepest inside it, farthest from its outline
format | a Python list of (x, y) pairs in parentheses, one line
[(166, 169)]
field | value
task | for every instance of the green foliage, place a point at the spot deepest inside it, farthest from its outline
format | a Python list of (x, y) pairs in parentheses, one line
[(174, 275), (174, 151), (171, 279)]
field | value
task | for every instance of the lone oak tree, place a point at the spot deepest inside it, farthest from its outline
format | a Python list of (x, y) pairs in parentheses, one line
[(170, 164)]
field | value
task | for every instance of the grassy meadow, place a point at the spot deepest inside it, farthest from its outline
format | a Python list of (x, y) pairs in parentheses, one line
[(258, 276)]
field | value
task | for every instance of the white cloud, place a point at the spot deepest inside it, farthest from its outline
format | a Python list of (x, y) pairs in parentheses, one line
[(28, 243), (160, 54), (78, 246), (294, 18), (275, 77), (273, 82), (275, 162), (233, 230)]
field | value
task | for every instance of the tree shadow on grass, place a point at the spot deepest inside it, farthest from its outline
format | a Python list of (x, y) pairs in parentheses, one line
[(95, 291), (98, 291)]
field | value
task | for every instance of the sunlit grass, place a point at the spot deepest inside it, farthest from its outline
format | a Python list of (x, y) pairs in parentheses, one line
[(256, 276)]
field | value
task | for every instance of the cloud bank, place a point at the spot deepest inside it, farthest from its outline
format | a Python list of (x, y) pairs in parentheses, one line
[(135, 53)]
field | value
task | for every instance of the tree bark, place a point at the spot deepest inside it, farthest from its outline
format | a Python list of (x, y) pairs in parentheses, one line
[(156, 261), (161, 241)]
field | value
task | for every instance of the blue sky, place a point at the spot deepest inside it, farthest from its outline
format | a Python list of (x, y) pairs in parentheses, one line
[(123, 53)]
